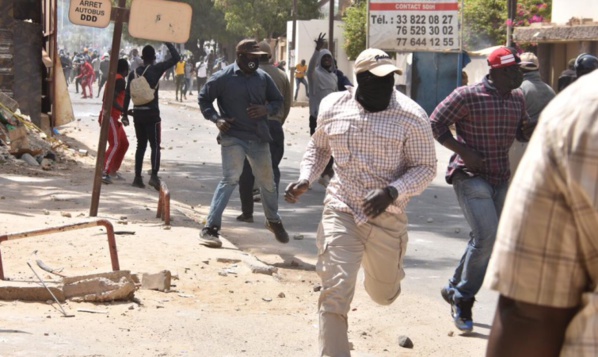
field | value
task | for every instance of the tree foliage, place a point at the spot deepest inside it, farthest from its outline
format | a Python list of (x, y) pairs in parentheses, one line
[(354, 25), (263, 18), (485, 21)]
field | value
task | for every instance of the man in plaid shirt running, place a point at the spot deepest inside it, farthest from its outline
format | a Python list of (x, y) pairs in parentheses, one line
[(384, 154), (488, 117)]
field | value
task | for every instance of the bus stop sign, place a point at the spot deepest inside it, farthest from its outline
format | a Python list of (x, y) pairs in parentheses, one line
[(93, 13)]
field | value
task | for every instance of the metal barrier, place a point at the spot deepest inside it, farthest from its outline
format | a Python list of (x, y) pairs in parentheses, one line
[(164, 204), (70, 227)]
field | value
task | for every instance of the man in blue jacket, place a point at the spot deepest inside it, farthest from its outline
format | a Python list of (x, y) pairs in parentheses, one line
[(246, 95)]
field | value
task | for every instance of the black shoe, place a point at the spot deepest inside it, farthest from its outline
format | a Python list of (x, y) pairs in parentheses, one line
[(106, 179), (138, 182), (209, 237), (154, 181), (277, 228), (244, 218)]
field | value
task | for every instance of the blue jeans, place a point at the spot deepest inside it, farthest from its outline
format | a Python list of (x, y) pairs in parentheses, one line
[(234, 151), (246, 181), (481, 204), (298, 81)]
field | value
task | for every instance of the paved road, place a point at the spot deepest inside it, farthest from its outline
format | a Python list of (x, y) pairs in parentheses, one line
[(191, 167)]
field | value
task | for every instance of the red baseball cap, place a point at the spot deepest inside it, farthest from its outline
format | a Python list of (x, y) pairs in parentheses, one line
[(503, 57)]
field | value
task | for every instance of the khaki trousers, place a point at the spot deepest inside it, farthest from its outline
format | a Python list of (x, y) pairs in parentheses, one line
[(379, 246)]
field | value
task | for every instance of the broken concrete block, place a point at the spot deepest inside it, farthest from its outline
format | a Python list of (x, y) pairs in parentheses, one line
[(159, 281), (258, 267), (122, 290), (18, 138), (111, 286), (113, 275), (30, 293), (8, 102)]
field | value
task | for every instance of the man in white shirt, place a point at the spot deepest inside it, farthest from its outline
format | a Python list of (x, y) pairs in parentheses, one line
[(201, 68), (383, 155)]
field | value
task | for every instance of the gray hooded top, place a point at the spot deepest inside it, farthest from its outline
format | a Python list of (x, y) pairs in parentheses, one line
[(320, 81)]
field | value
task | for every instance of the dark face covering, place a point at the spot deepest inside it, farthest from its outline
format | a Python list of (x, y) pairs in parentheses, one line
[(326, 62), (373, 92), (508, 78), (248, 63)]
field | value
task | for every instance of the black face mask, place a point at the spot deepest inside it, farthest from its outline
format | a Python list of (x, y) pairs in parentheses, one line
[(509, 78), (248, 65), (373, 92)]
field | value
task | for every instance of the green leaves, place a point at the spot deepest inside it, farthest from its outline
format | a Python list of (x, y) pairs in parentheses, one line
[(485, 21), (262, 18), (355, 32)]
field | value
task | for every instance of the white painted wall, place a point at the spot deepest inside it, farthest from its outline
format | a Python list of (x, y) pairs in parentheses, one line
[(563, 10), (307, 32)]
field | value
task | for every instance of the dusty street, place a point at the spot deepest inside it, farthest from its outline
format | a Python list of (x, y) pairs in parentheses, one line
[(215, 308)]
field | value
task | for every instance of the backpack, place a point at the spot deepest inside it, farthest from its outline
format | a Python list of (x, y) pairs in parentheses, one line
[(141, 92)]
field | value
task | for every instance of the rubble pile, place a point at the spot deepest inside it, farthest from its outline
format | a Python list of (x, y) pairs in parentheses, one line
[(23, 144)]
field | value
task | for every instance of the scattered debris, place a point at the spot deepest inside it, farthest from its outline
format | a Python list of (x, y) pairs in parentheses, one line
[(267, 299), (228, 260), (92, 311), (298, 237), (159, 281), (50, 291), (48, 269), (405, 342), (65, 214), (317, 288), (430, 220), (117, 285), (29, 160), (282, 295)]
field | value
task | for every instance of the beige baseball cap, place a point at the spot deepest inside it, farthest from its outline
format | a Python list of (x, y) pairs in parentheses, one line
[(529, 61), (377, 62)]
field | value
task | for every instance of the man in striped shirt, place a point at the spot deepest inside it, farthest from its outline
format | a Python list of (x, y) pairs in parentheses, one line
[(488, 117), (384, 155)]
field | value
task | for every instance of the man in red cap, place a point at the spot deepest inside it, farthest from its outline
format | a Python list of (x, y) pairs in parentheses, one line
[(488, 116)]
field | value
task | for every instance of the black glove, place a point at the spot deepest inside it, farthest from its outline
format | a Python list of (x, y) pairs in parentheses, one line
[(125, 120), (376, 202)]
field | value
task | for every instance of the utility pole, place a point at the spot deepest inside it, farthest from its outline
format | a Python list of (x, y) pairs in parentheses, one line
[(511, 11), (293, 47), (331, 28), (120, 16)]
